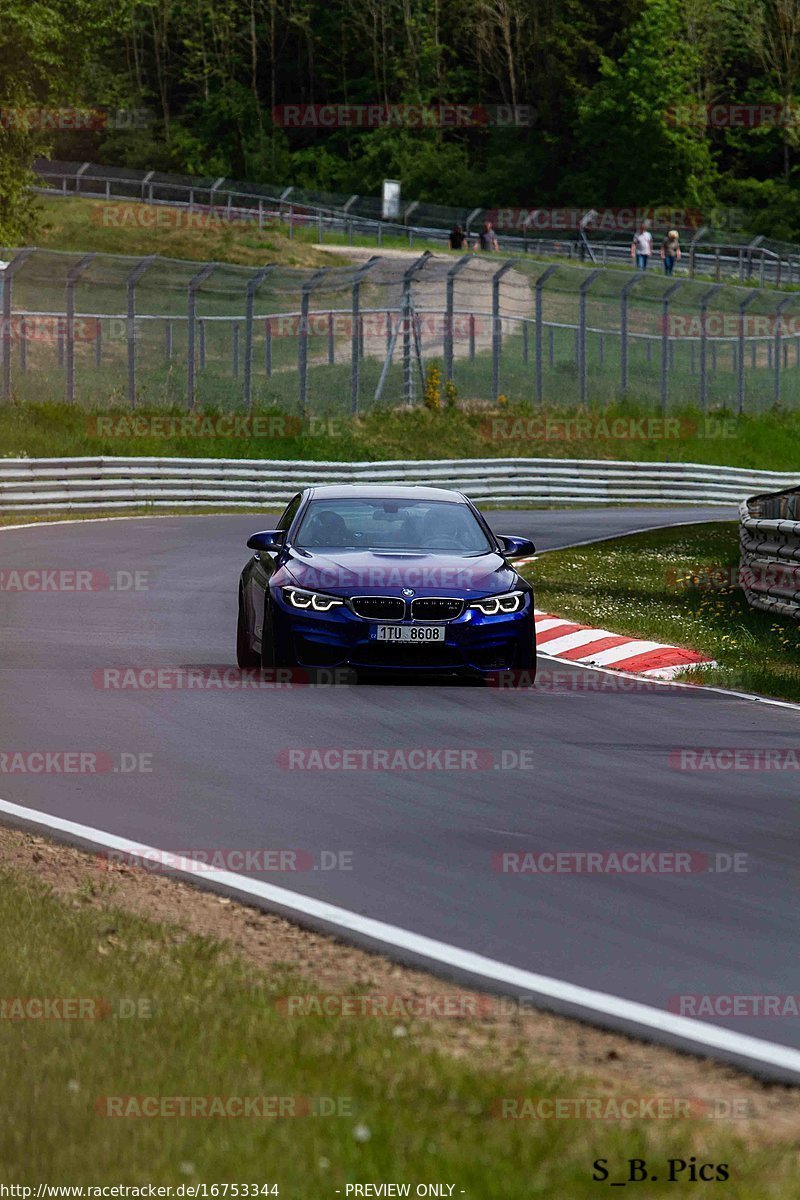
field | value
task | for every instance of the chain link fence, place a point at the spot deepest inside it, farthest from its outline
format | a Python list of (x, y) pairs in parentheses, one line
[(103, 330)]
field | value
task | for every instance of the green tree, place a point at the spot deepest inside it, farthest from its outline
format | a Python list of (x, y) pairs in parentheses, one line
[(636, 142)]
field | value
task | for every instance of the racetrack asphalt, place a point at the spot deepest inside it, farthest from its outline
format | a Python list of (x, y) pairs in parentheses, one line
[(423, 844)]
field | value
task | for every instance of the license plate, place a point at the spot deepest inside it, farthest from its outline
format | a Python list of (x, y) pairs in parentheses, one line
[(420, 634)]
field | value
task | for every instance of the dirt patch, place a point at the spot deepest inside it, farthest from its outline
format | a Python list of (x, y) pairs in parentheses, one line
[(603, 1064)]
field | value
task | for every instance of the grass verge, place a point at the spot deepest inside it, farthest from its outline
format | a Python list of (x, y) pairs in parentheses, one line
[(677, 586), (125, 227), (189, 1014), (770, 441)]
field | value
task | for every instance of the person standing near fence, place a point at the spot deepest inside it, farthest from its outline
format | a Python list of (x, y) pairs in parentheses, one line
[(670, 251), (642, 247), (458, 239), (487, 239)]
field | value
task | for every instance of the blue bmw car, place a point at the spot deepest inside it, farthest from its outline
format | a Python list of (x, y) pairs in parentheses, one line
[(386, 579)]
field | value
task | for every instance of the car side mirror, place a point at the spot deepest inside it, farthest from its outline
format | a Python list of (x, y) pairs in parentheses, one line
[(269, 539), (516, 547)]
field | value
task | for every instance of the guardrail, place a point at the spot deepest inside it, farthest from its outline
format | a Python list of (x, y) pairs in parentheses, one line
[(65, 484), (769, 534)]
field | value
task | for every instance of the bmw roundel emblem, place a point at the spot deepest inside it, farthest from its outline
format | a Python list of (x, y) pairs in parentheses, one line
[(408, 591)]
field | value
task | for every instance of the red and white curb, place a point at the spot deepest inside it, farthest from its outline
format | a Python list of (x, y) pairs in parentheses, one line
[(557, 637)]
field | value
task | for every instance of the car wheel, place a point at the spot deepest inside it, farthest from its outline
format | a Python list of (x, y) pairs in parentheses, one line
[(246, 656)]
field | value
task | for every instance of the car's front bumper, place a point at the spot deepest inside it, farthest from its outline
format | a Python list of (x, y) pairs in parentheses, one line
[(473, 642)]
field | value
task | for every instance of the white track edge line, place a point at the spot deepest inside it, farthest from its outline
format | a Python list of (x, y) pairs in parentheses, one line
[(703, 1036)]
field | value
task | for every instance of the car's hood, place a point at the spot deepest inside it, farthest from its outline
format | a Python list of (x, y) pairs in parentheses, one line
[(382, 573)]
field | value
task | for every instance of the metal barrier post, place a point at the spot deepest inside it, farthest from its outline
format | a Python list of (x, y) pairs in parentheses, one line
[(194, 284), (497, 328), (408, 279), (448, 320), (357, 331), (582, 357), (749, 298), (623, 330), (778, 316), (665, 340), (537, 299), (302, 346), (704, 301), (249, 308), (73, 275), (130, 325), (6, 279)]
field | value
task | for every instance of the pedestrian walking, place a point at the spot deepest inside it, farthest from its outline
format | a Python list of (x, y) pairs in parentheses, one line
[(642, 247), (670, 251)]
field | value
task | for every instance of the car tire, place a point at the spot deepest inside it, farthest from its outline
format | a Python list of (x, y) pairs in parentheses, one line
[(246, 656)]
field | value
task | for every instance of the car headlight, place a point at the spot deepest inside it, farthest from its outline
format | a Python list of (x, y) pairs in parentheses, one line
[(314, 601), (509, 602)]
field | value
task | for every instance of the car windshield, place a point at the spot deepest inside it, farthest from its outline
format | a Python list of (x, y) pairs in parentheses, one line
[(386, 524)]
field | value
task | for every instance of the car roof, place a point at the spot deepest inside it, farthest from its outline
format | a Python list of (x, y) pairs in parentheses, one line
[(394, 491)]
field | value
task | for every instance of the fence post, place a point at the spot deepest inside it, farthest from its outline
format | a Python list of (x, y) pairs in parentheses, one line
[(778, 314), (537, 299), (356, 331), (98, 343), (623, 330), (665, 340), (73, 275), (194, 284), (448, 320), (408, 279), (704, 301), (740, 356), (6, 278), (249, 309), (302, 333), (582, 364), (497, 328), (130, 327)]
